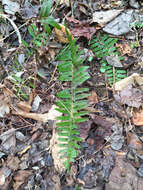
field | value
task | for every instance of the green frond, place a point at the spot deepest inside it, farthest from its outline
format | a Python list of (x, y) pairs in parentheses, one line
[(72, 101), (103, 46)]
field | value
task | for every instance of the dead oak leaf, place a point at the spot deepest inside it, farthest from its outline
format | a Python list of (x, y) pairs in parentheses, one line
[(81, 28), (84, 31), (61, 34)]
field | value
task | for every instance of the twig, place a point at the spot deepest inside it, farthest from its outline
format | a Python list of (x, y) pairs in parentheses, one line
[(14, 26)]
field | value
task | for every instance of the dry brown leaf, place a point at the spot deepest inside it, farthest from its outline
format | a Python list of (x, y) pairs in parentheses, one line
[(54, 144), (57, 183), (93, 97), (61, 34), (21, 178), (24, 106), (133, 141), (8, 139), (52, 53), (72, 19), (124, 49), (51, 115), (4, 105), (138, 118), (13, 163), (134, 78), (84, 31), (123, 176), (55, 149), (130, 96), (84, 128), (82, 28)]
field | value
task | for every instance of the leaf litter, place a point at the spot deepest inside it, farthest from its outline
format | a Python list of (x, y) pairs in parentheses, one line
[(111, 147)]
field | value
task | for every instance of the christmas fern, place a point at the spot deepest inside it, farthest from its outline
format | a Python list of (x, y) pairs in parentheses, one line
[(103, 46), (72, 101)]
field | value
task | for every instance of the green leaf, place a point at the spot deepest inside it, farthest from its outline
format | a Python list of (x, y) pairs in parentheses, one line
[(51, 21), (46, 8)]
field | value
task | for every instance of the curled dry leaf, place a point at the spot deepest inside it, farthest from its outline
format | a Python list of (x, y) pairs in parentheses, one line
[(137, 118), (133, 141), (134, 78), (124, 49), (61, 34)]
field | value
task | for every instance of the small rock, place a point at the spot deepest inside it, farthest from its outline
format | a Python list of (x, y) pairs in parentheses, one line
[(131, 36), (10, 7), (36, 103), (20, 136), (103, 17), (134, 4), (120, 25), (21, 58)]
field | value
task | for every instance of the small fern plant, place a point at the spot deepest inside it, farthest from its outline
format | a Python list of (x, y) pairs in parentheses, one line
[(72, 101), (103, 46), (42, 38)]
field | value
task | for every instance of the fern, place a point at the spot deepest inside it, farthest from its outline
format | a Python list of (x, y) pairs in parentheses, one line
[(104, 46), (72, 101)]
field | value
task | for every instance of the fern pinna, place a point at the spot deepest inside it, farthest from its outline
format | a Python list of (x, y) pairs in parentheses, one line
[(72, 101), (104, 46)]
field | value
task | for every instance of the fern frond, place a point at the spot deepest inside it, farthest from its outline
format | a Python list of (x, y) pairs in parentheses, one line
[(72, 101), (104, 46)]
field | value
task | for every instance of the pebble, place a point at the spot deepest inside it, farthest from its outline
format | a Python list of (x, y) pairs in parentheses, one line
[(120, 25)]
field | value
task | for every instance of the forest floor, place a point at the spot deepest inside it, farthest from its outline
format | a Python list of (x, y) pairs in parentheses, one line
[(34, 40)]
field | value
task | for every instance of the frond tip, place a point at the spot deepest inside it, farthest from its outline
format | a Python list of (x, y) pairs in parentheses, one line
[(71, 102)]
